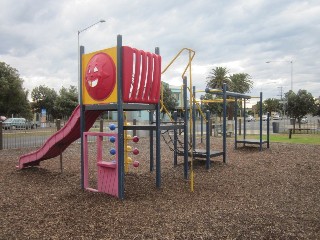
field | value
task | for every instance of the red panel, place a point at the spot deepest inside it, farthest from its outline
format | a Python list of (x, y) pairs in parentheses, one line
[(133, 93), (155, 96), (127, 70), (141, 76), (147, 91)]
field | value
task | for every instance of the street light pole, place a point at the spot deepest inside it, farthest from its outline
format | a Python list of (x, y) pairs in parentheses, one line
[(291, 62), (79, 74), (291, 75)]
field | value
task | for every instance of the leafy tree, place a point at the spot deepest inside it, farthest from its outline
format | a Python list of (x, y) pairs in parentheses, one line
[(213, 107), (299, 104), (317, 108), (272, 105), (169, 101), (241, 83), (44, 98), (66, 102), (13, 97), (217, 77), (256, 107)]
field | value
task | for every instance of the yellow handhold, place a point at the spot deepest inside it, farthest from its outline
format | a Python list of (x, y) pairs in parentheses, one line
[(129, 148), (129, 160)]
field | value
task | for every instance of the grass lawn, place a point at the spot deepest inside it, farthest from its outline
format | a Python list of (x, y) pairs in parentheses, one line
[(295, 138)]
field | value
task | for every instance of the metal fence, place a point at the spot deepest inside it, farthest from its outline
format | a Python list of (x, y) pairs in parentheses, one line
[(12, 139), (24, 138), (275, 126)]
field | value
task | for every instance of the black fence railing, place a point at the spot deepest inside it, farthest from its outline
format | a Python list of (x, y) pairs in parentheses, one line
[(24, 138)]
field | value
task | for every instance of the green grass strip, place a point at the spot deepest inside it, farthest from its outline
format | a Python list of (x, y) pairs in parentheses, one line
[(295, 138)]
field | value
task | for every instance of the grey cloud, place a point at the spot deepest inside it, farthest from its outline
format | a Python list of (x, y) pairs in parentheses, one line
[(242, 34)]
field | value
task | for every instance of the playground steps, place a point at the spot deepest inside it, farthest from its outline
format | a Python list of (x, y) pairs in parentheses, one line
[(107, 164)]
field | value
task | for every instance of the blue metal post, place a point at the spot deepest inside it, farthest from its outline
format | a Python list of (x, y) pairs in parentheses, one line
[(82, 118), (268, 127), (236, 123), (268, 131), (186, 145), (151, 142), (120, 120), (260, 106), (201, 124), (158, 157), (224, 123), (175, 139), (208, 163), (244, 120)]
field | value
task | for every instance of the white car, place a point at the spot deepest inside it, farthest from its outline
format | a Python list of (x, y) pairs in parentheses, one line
[(276, 117), (264, 117), (17, 123), (250, 118)]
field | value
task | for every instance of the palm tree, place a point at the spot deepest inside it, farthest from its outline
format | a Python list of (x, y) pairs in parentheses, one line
[(217, 77), (241, 82)]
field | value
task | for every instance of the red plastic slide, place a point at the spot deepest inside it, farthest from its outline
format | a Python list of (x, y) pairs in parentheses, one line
[(59, 141)]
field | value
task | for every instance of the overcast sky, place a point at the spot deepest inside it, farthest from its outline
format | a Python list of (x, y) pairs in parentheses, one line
[(39, 38)]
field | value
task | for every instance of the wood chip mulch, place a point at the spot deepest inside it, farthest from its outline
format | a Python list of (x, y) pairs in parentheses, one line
[(273, 194)]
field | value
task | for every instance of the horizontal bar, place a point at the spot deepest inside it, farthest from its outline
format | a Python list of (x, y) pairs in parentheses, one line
[(232, 94), (152, 127)]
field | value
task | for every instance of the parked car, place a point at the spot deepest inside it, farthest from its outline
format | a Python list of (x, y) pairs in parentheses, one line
[(17, 123), (276, 117), (250, 118), (304, 120), (265, 117)]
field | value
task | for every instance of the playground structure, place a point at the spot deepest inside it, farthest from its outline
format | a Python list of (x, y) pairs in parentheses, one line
[(207, 153), (125, 79), (245, 140), (236, 98), (114, 79)]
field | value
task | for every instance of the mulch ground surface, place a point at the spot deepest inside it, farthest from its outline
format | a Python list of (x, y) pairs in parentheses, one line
[(273, 194)]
